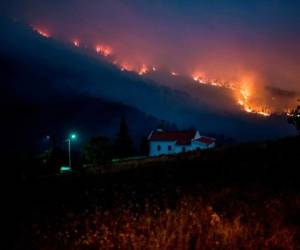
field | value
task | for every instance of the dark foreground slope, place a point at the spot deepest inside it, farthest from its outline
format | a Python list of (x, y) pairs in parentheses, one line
[(240, 197)]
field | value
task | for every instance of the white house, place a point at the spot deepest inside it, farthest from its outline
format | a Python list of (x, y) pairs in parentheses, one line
[(166, 142)]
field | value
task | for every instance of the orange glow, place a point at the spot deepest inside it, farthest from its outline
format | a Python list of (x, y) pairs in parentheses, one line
[(248, 104), (76, 43), (126, 67), (143, 70), (198, 76), (264, 113), (247, 109), (245, 93), (217, 84), (104, 50), (241, 102), (241, 92), (42, 32)]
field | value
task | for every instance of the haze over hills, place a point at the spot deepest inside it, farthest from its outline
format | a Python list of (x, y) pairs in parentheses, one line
[(70, 82)]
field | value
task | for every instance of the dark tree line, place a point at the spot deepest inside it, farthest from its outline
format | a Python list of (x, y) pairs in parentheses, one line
[(123, 146), (294, 118), (98, 150), (101, 149)]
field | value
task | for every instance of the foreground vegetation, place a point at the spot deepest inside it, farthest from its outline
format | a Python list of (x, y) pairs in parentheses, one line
[(240, 197), (192, 224)]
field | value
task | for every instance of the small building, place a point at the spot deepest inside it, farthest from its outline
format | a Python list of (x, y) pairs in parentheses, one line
[(174, 142)]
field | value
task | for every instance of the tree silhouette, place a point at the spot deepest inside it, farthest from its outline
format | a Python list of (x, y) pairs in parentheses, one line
[(52, 159), (144, 146), (98, 150), (123, 145), (294, 118)]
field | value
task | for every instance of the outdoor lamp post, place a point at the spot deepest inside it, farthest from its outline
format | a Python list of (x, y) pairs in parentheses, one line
[(72, 137)]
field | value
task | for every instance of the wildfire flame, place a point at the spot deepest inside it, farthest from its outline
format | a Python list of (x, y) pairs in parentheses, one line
[(42, 32), (126, 67), (242, 94), (198, 77), (143, 70), (76, 42), (103, 50), (246, 101)]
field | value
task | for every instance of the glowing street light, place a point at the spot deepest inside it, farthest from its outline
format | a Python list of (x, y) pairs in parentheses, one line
[(72, 137)]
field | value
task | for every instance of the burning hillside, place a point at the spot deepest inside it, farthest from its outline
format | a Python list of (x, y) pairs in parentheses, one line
[(42, 32), (103, 50)]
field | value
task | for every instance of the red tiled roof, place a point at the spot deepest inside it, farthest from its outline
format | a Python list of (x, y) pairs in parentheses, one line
[(181, 137), (206, 140)]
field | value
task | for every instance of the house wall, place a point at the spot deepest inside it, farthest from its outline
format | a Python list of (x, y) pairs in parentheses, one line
[(164, 148), (201, 146), (183, 148), (175, 149)]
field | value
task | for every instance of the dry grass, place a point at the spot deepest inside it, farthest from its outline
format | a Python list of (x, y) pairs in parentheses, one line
[(192, 224)]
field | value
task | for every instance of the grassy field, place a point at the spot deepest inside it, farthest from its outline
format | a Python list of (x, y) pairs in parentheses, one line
[(238, 197), (194, 223)]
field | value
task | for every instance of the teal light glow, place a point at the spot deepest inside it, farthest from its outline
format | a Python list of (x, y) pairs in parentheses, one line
[(73, 136)]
